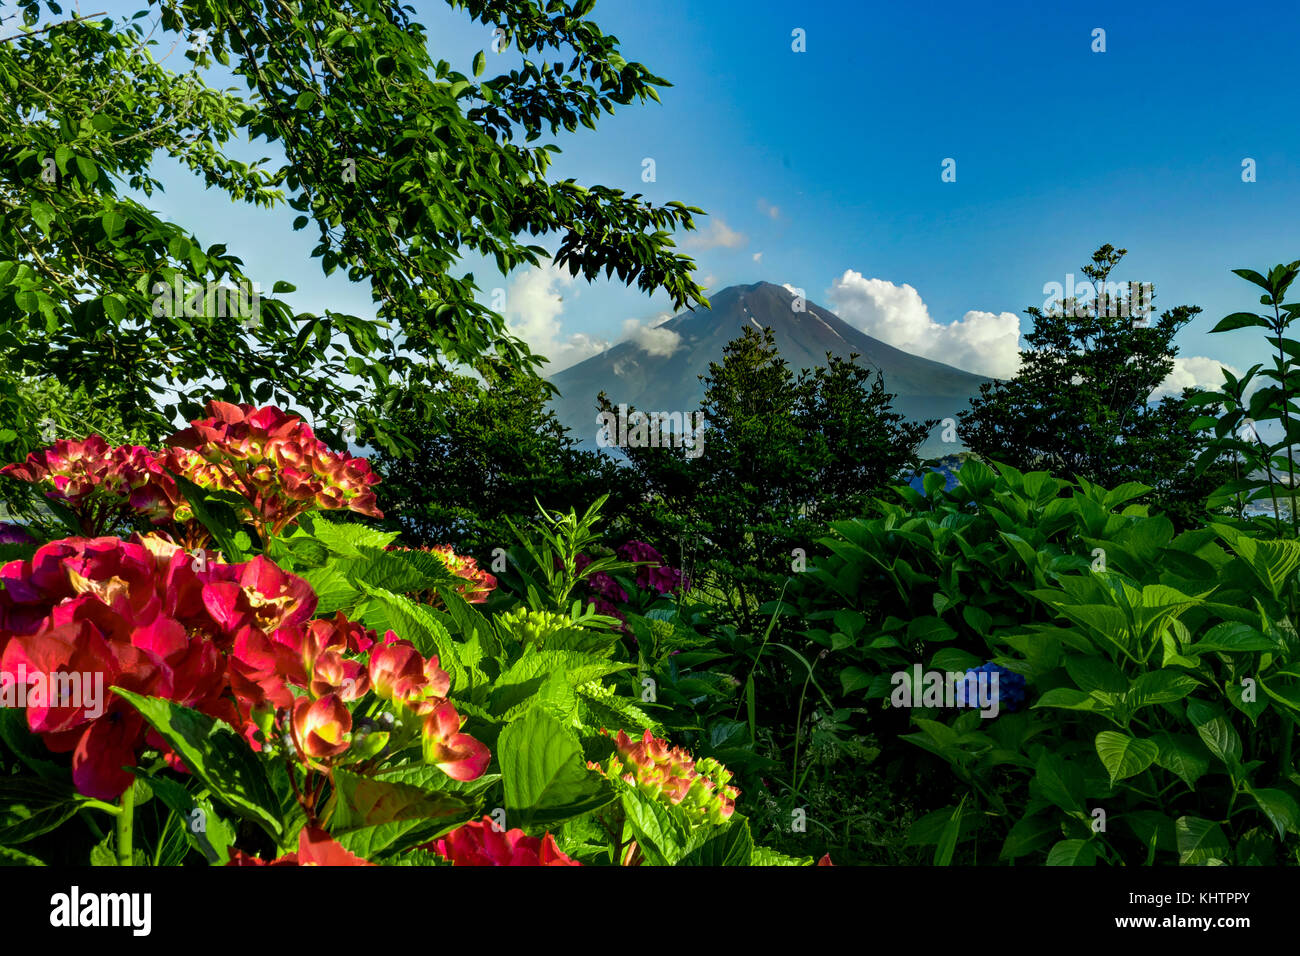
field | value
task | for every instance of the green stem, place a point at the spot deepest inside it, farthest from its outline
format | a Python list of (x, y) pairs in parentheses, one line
[(125, 824), (1286, 420)]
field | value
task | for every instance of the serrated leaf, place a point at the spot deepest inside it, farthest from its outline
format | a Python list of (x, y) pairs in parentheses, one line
[(1124, 755)]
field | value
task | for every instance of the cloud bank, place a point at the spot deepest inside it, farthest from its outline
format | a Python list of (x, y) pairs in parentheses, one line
[(981, 342)]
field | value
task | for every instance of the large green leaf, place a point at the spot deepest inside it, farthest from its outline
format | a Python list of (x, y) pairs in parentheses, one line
[(30, 807), (215, 754), (1060, 782), (544, 771), (527, 675), (371, 816), (1124, 755), (1200, 841), (727, 845)]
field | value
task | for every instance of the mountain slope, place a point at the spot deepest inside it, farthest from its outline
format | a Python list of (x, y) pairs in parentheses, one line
[(627, 373)]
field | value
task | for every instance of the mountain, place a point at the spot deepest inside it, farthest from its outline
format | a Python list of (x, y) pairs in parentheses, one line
[(651, 382)]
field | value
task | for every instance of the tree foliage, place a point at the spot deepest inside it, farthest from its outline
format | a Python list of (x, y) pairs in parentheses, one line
[(1080, 404), (782, 453), (397, 161), (496, 453)]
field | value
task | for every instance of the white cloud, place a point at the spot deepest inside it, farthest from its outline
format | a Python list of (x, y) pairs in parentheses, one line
[(758, 257), (767, 209), (981, 342), (653, 340), (717, 235), (532, 309), (660, 319), (1195, 371)]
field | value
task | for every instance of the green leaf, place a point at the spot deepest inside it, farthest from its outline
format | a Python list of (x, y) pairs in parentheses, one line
[(1095, 673), (372, 815), (527, 675), (1124, 755), (205, 830), (1072, 853), (947, 844), (114, 306), (30, 807), (1182, 755), (42, 214), (1232, 637), (1200, 841), (1060, 782), (113, 222), (729, 845), (1240, 320), (480, 63), (215, 754), (11, 857), (1222, 740), (544, 771), (766, 856), (1280, 808), (1160, 687), (1028, 835), (662, 831)]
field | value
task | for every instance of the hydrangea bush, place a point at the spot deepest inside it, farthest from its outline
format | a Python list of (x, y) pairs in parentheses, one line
[(295, 691)]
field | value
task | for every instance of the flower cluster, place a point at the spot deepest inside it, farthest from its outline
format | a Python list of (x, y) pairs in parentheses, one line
[(135, 613), (669, 774), (478, 583), (1010, 685), (101, 483), (480, 843), (268, 457), (274, 460), (234, 641), (533, 628), (400, 674), (654, 574), (14, 534)]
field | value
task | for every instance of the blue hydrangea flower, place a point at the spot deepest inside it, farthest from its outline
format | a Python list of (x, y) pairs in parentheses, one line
[(1011, 687)]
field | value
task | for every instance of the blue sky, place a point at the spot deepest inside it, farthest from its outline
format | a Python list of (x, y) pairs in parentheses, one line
[(826, 164)]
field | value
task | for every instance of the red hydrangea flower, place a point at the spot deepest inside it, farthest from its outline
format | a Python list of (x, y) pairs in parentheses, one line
[(481, 844), (274, 460), (671, 775), (101, 484), (321, 728), (478, 583), (315, 848), (100, 608), (458, 755)]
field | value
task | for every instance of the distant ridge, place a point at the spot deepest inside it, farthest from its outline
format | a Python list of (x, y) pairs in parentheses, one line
[(627, 373)]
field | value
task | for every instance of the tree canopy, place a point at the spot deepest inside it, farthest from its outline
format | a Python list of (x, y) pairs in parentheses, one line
[(399, 163)]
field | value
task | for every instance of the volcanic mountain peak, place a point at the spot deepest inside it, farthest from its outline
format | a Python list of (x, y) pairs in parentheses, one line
[(667, 376)]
